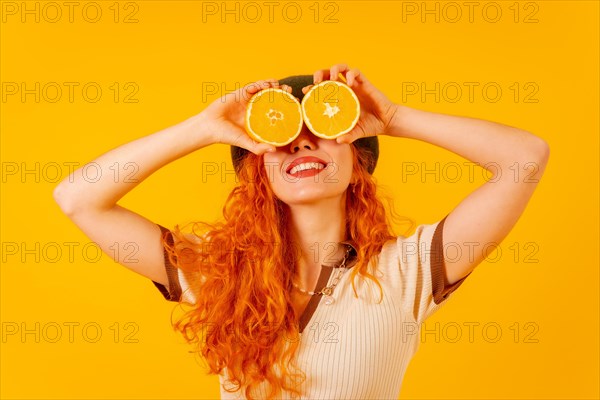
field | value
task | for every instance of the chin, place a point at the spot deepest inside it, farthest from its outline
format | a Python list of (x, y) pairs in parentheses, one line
[(308, 196)]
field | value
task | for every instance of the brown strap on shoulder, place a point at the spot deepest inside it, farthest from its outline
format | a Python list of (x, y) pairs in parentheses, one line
[(440, 287), (173, 292)]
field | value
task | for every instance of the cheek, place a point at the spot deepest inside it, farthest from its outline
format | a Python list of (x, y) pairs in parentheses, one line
[(272, 169), (345, 164)]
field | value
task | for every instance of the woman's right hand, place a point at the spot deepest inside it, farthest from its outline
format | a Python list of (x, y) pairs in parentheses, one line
[(225, 118)]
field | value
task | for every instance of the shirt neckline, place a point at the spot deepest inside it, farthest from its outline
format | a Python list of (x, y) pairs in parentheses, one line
[(324, 276)]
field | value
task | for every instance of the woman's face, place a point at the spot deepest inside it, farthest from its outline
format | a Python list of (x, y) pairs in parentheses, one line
[(293, 185)]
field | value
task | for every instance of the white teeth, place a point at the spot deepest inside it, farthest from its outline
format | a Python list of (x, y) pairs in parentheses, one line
[(302, 167)]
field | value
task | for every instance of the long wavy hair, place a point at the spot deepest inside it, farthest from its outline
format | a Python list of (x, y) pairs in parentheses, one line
[(240, 274)]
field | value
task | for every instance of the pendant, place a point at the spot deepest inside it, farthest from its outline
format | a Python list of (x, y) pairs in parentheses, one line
[(329, 300)]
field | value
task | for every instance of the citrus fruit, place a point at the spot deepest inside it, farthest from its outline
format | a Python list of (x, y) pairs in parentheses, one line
[(274, 116), (330, 109)]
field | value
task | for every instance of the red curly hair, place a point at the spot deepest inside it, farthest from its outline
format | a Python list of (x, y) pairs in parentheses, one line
[(243, 319)]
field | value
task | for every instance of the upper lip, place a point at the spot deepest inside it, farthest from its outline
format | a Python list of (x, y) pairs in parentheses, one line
[(301, 160)]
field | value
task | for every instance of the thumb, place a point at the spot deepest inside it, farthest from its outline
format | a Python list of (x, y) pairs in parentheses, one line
[(346, 138), (261, 148), (255, 147)]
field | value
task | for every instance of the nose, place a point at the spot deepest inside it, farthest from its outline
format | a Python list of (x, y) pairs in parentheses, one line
[(306, 140)]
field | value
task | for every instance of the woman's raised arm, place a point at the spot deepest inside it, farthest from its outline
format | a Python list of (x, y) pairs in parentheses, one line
[(515, 158), (89, 195)]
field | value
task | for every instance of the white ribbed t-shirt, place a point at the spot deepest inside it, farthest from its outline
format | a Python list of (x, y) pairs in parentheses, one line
[(357, 348)]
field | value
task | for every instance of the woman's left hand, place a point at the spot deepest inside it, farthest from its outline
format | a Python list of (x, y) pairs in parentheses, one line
[(376, 110)]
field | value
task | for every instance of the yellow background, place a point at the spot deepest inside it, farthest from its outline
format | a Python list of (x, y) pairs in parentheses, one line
[(171, 55)]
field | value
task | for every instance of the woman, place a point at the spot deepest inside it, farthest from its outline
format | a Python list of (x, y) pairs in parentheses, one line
[(303, 290)]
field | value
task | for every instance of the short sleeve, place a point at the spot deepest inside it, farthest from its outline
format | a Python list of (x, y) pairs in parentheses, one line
[(422, 270), (178, 283)]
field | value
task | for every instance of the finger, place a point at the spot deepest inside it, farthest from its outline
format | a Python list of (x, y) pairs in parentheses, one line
[(255, 147), (352, 76), (305, 89), (355, 134), (254, 87), (261, 148), (287, 88), (251, 89), (345, 139), (258, 148), (263, 83), (336, 70), (274, 83), (271, 81), (320, 76)]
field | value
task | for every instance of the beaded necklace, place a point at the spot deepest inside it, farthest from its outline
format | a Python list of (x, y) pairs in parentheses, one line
[(327, 291)]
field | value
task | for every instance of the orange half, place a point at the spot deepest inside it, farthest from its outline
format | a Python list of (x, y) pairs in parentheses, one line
[(274, 116), (330, 109)]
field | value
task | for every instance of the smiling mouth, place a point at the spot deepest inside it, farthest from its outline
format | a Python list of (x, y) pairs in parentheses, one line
[(306, 169)]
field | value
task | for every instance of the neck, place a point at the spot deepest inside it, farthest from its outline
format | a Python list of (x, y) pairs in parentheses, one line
[(317, 230)]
